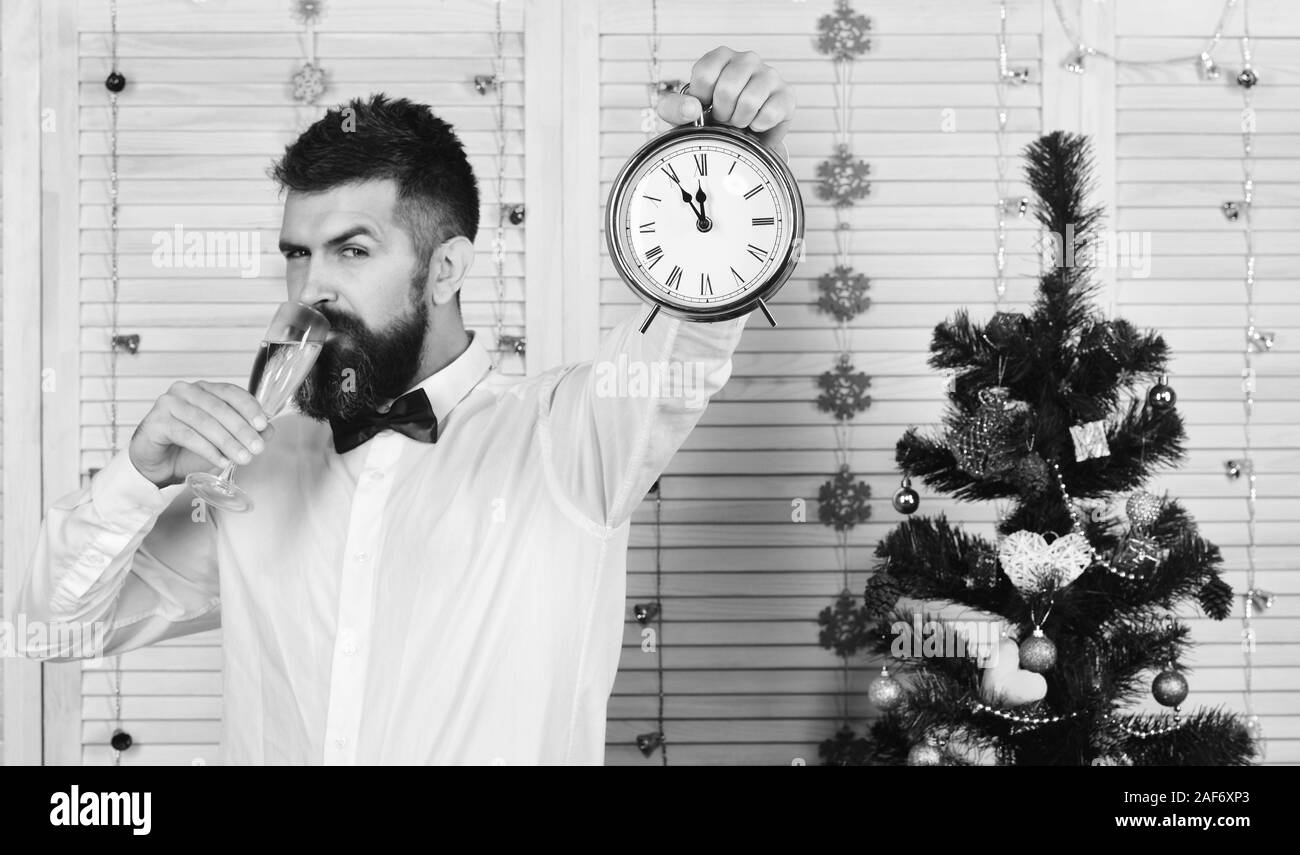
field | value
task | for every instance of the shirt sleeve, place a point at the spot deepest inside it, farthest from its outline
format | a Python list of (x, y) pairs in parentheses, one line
[(120, 564), (615, 423)]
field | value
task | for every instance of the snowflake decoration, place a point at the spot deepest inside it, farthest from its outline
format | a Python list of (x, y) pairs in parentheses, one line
[(842, 501), (843, 35), (844, 293), (843, 178), (844, 391), (308, 83), (308, 11), (843, 625)]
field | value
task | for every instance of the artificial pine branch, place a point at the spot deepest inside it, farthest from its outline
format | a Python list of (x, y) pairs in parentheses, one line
[(1213, 737)]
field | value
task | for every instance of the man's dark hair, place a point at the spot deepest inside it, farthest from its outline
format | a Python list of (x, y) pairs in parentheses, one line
[(400, 140)]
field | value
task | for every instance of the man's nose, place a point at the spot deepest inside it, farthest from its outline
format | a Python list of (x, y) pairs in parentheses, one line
[(313, 288)]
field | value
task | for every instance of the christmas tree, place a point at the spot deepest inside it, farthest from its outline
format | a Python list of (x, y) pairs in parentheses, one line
[(1056, 411)]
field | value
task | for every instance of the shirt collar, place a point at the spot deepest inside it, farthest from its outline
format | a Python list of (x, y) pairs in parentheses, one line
[(446, 387)]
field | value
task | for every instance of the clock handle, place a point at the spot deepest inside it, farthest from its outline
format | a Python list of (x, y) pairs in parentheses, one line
[(645, 325), (767, 314), (699, 123)]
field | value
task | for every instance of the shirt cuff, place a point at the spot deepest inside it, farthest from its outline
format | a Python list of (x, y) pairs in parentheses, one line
[(119, 492)]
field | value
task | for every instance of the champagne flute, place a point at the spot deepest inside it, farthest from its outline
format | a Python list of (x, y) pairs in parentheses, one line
[(289, 350)]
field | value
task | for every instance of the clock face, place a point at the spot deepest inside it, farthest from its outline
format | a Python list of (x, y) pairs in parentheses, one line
[(703, 224)]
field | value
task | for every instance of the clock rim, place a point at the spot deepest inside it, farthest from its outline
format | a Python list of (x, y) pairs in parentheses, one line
[(785, 268)]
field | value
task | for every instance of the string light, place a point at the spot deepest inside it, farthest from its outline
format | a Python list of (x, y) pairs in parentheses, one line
[(1006, 76), (120, 740), (1253, 597), (495, 83), (1203, 59)]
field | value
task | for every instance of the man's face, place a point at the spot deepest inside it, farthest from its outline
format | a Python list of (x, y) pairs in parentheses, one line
[(348, 255)]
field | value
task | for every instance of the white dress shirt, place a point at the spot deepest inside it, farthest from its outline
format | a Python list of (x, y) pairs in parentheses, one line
[(460, 602)]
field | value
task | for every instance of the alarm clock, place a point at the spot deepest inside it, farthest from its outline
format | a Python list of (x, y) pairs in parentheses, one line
[(705, 223)]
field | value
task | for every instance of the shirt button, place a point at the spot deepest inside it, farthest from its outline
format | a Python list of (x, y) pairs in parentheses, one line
[(349, 648), (341, 741), (376, 475), (361, 556)]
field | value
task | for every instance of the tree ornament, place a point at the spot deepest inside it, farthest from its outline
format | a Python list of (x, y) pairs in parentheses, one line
[(885, 692), (121, 740), (1005, 684), (1138, 553), (842, 501), (844, 293), (1089, 440), (1247, 78), (516, 215), (1230, 211), (842, 178), (981, 443), (115, 82), (1032, 474), (1215, 598), (1143, 509), (843, 35), (308, 83), (1037, 652), (1162, 396), (844, 391), (1034, 566), (925, 754), (880, 595), (906, 500), (1169, 688)]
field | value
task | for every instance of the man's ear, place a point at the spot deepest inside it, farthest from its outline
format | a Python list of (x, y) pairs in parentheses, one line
[(447, 269)]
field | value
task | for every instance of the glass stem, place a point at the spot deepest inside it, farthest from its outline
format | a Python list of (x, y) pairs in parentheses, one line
[(228, 474)]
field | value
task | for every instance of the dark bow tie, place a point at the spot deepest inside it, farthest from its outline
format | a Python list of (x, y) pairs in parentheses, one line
[(410, 415)]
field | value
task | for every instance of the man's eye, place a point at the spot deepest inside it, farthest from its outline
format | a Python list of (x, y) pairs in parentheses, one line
[(295, 253), (358, 250)]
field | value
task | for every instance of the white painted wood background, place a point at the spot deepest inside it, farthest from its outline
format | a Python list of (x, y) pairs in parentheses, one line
[(208, 107)]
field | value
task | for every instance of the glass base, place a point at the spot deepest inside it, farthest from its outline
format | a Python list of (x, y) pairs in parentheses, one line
[(218, 493)]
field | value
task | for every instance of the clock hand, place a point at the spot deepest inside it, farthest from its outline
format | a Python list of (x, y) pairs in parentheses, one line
[(700, 197), (686, 197)]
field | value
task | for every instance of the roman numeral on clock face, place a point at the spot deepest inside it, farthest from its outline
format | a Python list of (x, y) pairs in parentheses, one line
[(764, 221), (757, 251), (752, 193), (739, 279), (675, 279), (706, 285), (647, 228), (654, 254), (670, 172), (702, 164)]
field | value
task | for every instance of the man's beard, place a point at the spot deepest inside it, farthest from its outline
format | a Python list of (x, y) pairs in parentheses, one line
[(358, 369)]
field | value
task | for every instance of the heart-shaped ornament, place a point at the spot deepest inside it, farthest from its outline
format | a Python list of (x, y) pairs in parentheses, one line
[(1032, 564), (1004, 684)]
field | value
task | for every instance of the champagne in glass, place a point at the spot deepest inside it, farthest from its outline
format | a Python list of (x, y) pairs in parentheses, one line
[(285, 358)]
